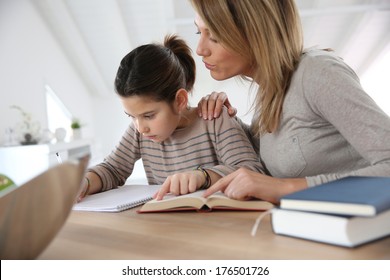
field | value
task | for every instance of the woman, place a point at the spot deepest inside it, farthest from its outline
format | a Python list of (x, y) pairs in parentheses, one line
[(179, 151), (312, 120)]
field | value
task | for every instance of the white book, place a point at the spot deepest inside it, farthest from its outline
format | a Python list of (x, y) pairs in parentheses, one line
[(119, 199), (348, 231)]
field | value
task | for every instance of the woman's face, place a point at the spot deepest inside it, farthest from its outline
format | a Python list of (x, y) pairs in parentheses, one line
[(222, 63)]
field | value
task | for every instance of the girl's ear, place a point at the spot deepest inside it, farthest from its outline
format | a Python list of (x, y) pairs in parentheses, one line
[(181, 100)]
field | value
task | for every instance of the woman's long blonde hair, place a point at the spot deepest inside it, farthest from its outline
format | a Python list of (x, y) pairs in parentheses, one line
[(266, 33)]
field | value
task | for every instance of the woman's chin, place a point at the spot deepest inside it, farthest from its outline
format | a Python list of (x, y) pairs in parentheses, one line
[(219, 76)]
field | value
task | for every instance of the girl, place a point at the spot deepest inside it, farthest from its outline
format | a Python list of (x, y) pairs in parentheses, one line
[(179, 150)]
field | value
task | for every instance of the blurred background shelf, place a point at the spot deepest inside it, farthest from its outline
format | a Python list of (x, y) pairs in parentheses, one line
[(22, 163)]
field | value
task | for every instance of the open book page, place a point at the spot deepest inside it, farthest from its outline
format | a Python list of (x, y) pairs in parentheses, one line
[(115, 200), (196, 200), (220, 200), (191, 200)]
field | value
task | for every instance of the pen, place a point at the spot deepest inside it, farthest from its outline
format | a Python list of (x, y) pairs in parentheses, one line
[(58, 157)]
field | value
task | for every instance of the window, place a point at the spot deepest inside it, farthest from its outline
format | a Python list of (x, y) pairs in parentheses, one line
[(57, 114)]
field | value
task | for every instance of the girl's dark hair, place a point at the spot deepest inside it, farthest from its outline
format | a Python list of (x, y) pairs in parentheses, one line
[(157, 70)]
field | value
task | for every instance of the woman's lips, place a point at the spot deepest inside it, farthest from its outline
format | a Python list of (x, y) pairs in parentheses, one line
[(208, 66)]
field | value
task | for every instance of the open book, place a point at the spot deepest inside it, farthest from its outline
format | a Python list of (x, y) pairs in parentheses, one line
[(119, 199), (195, 201)]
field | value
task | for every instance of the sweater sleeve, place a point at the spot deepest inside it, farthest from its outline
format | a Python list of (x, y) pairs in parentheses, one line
[(248, 129), (234, 149), (334, 93), (118, 166)]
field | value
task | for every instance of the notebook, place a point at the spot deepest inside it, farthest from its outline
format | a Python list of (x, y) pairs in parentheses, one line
[(119, 199), (32, 214)]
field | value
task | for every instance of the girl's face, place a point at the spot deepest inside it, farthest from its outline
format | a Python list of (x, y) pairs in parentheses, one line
[(153, 120), (222, 63)]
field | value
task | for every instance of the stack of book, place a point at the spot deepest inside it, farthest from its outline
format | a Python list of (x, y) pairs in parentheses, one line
[(347, 212)]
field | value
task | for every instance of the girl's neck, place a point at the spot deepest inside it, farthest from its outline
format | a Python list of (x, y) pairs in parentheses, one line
[(187, 117)]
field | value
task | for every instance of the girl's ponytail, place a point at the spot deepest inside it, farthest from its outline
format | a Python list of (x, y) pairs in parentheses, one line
[(183, 53)]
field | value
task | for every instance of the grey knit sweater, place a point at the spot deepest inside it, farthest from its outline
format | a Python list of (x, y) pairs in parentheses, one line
[(330, 128)]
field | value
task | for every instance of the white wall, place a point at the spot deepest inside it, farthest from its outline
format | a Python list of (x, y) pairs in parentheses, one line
[(29, 58), (375, 81), (110, 123)]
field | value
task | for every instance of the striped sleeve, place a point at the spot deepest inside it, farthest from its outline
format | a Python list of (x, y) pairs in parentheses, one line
[(234, 149), (119, 164)]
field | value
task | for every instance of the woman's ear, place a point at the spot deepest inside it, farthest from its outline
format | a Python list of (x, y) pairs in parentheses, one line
[(181, 100)]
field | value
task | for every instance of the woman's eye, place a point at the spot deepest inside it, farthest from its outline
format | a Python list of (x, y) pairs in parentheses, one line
[(149, 117), (212, 38)]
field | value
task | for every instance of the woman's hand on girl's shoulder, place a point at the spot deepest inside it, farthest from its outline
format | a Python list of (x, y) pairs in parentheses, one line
[(210, 106)]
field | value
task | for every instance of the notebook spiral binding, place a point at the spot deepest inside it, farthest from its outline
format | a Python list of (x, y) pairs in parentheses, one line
[(136, 203)]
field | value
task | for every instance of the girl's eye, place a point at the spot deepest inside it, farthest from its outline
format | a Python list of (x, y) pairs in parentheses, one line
[(129, 116), (148, 117)]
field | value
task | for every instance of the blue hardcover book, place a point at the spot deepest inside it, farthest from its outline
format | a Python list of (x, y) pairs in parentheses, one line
[(356, 196)]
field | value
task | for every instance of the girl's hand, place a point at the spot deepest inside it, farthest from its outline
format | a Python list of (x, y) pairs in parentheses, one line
[(84, 189), (181, 183), (243, 184), (210, 106)]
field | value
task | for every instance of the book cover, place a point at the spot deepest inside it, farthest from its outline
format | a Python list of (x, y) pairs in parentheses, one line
[(196, 201), (119, 199), (347, 231), (361, 196)]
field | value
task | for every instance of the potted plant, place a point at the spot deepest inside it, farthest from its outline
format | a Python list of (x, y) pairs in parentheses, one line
[(28, 128), (76, 128)]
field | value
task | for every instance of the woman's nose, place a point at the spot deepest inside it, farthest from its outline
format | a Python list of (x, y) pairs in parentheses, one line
[(202, 49)]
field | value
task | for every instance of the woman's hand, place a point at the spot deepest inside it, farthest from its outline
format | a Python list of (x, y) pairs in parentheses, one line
[(243, 184), (181, 183), (210, 106)]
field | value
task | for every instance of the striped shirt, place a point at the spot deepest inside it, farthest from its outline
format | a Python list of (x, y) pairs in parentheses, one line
[(220, 145)]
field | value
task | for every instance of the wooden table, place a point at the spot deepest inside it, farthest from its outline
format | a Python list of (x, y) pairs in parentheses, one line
[(189, 235)]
